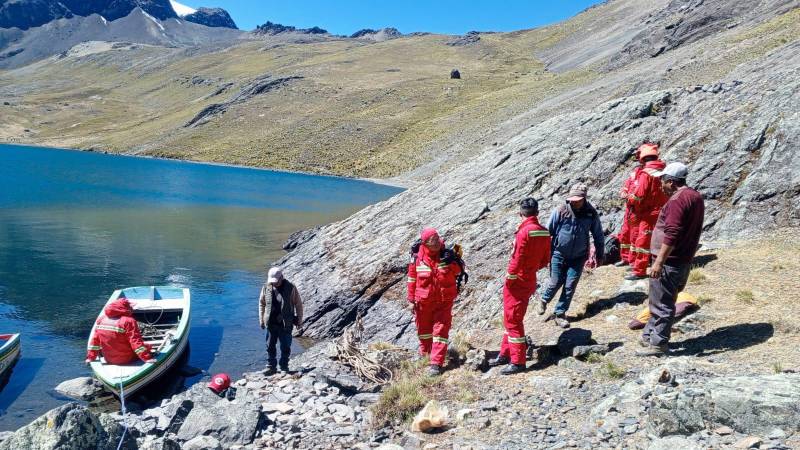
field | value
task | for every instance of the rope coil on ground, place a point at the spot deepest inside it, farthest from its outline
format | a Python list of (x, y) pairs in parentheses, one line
[(348, 350)]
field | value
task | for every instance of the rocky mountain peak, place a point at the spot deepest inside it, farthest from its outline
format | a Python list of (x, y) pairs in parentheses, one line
[(25, 14), (270, 28), (211, 17), (384, 34)]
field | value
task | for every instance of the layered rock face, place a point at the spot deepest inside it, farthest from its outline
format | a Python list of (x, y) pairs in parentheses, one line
[(212, 17), (738, 137)]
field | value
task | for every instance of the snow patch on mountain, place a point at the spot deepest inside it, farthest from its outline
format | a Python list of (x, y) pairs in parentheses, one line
[(182, 10)]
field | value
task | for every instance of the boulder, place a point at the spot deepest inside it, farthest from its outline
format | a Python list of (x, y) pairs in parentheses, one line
[(549, 384), (582, 351), (159, 443), (202, 443), (68, 427), (230, 422), (753, 405), (83, 388), (477, 360), (342, 377)]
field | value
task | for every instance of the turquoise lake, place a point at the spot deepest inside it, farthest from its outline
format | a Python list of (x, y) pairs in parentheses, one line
[(75, 226)]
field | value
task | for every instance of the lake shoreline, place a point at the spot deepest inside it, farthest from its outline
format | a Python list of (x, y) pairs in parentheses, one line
[(391, 182)]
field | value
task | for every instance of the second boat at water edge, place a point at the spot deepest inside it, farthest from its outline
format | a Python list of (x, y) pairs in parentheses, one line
[(9, 354), (163, 314)]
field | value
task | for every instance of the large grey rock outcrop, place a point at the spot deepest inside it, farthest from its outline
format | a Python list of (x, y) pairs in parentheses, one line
[(682, 22), (754, 405), (737, 136), (229, 422), (68, 427), (200, 412)]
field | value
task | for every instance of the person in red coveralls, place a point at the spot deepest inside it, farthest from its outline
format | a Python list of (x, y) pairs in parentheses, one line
[(432, 289), (645, 202), (117, 337), (531, 253), (626, 231)]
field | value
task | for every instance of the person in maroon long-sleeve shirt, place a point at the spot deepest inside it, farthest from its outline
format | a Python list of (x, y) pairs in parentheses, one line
[(673, 246)]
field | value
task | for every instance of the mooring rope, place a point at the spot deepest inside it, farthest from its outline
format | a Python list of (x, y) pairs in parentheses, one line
[(124, 414), (349, 351)]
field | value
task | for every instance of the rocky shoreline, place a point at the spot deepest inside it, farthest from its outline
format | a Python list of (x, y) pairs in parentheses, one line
[(680, 402)]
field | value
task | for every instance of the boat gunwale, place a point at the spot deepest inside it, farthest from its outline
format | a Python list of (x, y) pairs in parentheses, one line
[(11, 343)]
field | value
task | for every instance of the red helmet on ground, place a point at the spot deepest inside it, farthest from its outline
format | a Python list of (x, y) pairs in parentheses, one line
[(219, 382), (647, 149)]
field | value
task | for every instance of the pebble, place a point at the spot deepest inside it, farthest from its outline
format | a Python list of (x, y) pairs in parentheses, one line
[(283, 408), (723, 431), (462, 414)]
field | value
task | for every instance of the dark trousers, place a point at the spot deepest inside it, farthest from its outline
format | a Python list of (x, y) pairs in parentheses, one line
[(663, 293), (563, 272), (284, 336)]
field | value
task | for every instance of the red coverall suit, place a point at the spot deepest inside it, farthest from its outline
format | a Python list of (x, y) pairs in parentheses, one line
[(625, 234), (117, 336), (432, 289), (645, 204), (531, 253)]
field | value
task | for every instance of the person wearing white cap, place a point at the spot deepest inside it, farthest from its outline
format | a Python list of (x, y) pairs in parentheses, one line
[(672, 248), (279, 310)]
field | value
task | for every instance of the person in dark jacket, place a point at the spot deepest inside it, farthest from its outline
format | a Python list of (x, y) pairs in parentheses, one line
[(570, 226), (279, 310), (673, 246)]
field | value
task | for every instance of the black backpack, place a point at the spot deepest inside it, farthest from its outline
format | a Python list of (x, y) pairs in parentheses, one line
[(450, 254), (611, 252)]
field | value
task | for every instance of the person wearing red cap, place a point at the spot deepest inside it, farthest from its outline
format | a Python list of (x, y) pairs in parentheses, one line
[(432, 289), (117, 336), (645, 202), (531, 253)]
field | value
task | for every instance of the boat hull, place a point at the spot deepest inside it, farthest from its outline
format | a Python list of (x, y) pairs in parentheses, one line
[(9, 354), (130, 378)]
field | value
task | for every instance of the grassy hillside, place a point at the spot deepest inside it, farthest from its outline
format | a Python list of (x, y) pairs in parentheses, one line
[(359, 109)]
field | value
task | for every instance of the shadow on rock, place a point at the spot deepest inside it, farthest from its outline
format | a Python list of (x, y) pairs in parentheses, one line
[(703, 260), (549, 353), (734, 337), (595, 308)]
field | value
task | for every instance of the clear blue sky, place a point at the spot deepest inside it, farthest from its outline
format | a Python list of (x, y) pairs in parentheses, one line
[(438, 16)]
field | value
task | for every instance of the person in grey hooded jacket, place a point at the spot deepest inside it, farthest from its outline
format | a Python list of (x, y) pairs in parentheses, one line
[(570, 226)]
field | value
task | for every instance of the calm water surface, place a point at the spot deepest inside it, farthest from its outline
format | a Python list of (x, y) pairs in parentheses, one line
[(74, 226)]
